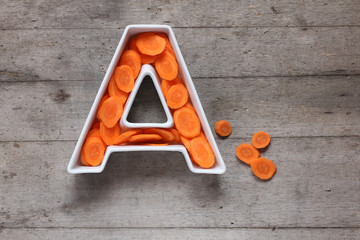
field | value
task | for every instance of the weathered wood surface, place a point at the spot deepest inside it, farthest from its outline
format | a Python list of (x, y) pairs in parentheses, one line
[(115, 14), (84, 54), (181, 234), (317, 185), (306, 106)]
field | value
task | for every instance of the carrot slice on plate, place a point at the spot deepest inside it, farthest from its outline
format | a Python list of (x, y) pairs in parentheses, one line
[(111, 111), (133, 60), (201, 152), (263, 168), (100, 104), (166, 66), (167, 84), (177, 96), (108, 135), (247, 153), (187, 122), (124, 78), (94, 150), (150, 43), (114, 91), (124, 137)]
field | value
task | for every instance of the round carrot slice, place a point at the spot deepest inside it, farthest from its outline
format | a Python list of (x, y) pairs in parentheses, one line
[(187, 122), (100, 104), (163, 35), (94, 150), (124, 78), (263, 168), (247, 153), (177, 96), (223, 128), (261, 140), (114, 91), (167, 84), (144, 138), (166, 135), (201, 152), (150, 43), (133, 60), (111, 111), (108, 135), (166, 66), (124, 137)]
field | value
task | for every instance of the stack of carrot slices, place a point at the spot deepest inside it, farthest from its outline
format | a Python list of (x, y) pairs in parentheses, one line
[(155, 49)]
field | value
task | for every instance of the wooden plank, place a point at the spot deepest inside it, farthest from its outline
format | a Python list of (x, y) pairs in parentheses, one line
[(307, 106), (184, 234), (115, 14), (317, 185), (84, 54)]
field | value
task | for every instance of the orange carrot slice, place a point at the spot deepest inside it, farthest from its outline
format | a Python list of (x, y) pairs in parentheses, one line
[(223, 128), (261, 139), (94, 150), (133, 60), (100, 104), (108, 135), (166, 66), (247, 153), (166, 135), (201, 152), (177, 96), (163, 35), (144, 138), (150, 44), (186, 143), (124, 137), (263, 168), (167, 84), (187, 122), (114, 91), (111, 111), (124, 78)]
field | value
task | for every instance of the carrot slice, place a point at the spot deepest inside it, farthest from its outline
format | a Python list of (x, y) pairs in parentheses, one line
[(166, 66), (186, 143), (111, 111), (83, 158), (144, 138), (176, 135), (177, 96), (223, 128), (261, 139), (163, 35), (124, 78), (150, 43), (124, 137), (115, 91), (100, 104), (247, 153), (201, 152), (94, 133), (170, 50), (145, 59), (94, 150), (96, 125), (108, 135), (167, 84), (166, 135), (133, 60), (187, 122), (263, 168)]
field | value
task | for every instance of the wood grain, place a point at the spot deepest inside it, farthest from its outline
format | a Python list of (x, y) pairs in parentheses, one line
[(317, 185), (195, 13), (84, 54)]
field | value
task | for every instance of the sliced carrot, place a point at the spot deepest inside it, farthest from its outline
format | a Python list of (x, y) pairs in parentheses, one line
[(100, 104), (170, 50), (94, 133), (177, 96), (167, 84), (176, 135), (144, 138), (187, 122), (261, 139), (111, 111), (124, 78), (96, 125), (223, 128), (263, 168), (132, 59), (124, 137), (150, 43), (155, 144), (201, 152), (108, 135), (163, 35), (166, 135), (83, 158), (146, 59), (188, 105), (115, 91), (186, 143), (94, 150), (247, 153), (166, 66)]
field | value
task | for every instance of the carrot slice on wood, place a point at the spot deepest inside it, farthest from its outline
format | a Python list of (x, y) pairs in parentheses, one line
[(167, 84), (111, 111), (124, 78), (114, 91), (124, 137), (150, 43), (144, 138), (263, 168), (132, 59), (201, 152), (108, 135), (94, 133), (94, 150), (187, 122), (176, 135), (166, 135), (186, 143), (177, 96), (247, 153), (166, 66), (100, 104), (261, 140), (223, 128), (96, 125)]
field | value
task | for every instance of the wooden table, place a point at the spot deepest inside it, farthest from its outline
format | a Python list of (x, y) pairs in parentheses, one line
[(287, 67)]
